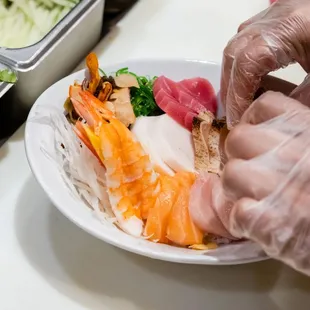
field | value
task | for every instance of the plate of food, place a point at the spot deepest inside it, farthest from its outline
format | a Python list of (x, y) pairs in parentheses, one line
[(119, 149)]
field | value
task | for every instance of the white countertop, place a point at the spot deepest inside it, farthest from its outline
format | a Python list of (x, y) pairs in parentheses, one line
[(47, 263)]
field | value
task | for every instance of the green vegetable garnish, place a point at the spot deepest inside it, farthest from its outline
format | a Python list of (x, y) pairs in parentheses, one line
[(102, 72), (122, 71), (7, 76), (142, 99)]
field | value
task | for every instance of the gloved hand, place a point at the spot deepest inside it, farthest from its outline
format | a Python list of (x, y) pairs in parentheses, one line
[(267, 178), (272, 39)]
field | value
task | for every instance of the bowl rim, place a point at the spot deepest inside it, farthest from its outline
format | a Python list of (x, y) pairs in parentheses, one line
[(172, 257)]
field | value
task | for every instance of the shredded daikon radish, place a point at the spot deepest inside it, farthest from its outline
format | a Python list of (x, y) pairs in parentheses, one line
[(79, 168), (25, 22)]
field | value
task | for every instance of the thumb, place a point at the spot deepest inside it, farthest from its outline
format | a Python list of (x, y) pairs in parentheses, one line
[(242, 218)]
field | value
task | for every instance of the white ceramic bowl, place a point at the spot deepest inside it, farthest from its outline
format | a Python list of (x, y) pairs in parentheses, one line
[(75, 210)]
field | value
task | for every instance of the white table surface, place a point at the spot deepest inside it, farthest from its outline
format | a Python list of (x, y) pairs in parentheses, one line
[(47, 263)]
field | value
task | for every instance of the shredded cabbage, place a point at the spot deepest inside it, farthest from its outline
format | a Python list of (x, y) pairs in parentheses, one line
[(25, 22), (81, 171)]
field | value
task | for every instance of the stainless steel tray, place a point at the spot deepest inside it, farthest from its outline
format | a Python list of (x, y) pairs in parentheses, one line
[(40, 65)]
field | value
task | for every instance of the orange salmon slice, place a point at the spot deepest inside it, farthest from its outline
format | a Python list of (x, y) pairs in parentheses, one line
[(181, 230)]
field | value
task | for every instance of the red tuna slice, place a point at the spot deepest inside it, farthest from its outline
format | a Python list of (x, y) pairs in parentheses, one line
[(202, 90), (162, 92), (172, 107), (179, 100), (183, 96), (180, 114)]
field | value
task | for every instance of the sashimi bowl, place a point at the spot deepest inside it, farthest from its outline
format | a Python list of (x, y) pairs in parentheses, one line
[(113, 150)]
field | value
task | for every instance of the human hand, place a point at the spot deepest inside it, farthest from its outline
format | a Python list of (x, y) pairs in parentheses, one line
[(267, 178), (272, 39)]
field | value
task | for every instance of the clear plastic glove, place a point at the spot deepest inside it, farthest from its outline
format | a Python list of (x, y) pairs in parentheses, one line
[(273, 39), (267, 178), (208, 206)]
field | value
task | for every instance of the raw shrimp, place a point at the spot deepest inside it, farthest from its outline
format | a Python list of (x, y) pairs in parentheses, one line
[(132, 183)]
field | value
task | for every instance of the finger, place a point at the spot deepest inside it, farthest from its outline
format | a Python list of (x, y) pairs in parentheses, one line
[(207, 205), (246, 141), (253, 19), (272, 222), (276, 147), (249, 66), (235, 45), (270, 105), (250, 179), (296, 182), (241, 217), (254, 220), (255, 178)]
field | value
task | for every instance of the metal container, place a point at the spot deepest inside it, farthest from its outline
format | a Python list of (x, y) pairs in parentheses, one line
[(40, 65)]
